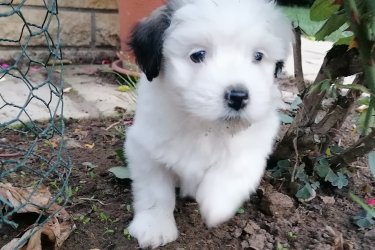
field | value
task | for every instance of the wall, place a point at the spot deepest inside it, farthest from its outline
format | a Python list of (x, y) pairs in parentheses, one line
[(89, 29)]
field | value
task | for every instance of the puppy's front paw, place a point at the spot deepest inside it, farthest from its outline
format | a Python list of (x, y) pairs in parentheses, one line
[(216, 211), (152, 228)]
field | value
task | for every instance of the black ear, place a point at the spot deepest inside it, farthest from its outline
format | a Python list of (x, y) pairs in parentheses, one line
[(278, 68), (146, 41)]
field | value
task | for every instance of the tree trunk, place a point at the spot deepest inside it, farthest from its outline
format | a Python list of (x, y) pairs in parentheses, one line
[(339, 62), (297, 55), (360, 148)]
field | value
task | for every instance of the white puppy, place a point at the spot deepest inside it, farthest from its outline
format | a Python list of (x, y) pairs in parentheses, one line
[(206, 111)]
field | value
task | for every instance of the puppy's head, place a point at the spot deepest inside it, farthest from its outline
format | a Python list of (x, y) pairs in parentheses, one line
[(218, 56)]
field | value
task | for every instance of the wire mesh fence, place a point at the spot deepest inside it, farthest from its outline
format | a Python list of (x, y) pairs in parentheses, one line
[(32, 151)]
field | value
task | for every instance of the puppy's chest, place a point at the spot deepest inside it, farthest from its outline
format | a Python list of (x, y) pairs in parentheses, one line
[(195, 150)]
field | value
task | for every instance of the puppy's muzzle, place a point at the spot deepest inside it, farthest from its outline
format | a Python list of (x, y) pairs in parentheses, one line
[(236, 97)]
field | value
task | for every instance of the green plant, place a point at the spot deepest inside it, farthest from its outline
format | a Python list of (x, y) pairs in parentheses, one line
[(306, 152), (121, 172), (366, 218), (127, 83)]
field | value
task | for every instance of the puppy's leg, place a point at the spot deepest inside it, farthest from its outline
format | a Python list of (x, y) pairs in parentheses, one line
[(154, 200), (225, 188)]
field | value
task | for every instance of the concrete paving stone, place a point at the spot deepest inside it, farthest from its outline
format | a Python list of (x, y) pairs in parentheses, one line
[(89, 97), (313, 53)]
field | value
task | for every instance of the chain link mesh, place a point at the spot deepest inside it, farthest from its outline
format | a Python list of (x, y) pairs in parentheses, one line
[(32, 153)]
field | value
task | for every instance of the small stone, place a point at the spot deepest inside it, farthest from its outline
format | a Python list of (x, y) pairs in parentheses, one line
[(328, 200), (251, 227), (324, 235), (237, 232), (71, 143), (257, 241), (245, 244), (322, 246), (276, 204), (269, 245)]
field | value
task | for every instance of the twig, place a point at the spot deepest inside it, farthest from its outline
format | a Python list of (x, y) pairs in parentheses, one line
[(92, 199), (297, 157), (10, 155), (112, 125)]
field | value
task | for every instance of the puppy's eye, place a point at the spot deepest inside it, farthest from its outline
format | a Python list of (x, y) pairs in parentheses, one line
[(198, 56), (258, 56)]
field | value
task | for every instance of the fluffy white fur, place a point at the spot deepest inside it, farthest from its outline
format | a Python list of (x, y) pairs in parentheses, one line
[(184, 134)]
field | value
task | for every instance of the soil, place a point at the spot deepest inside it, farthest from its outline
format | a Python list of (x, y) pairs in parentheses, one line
[(272, 219)]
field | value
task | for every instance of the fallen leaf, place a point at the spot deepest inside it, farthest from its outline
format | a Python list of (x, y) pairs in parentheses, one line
[(67, 90), (361, 108), (29, 200), (89, 146), (123, 88), (88, 165), (328, 200), (120, 172), (24, 198)]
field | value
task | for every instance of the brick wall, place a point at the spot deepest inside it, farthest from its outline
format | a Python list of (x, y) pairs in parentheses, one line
[(89, 29)]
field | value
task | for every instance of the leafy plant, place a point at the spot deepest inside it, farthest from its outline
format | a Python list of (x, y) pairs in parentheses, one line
[(121, 172), (366, 218)]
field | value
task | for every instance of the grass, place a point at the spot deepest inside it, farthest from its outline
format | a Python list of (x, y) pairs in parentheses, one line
[(301, 16)]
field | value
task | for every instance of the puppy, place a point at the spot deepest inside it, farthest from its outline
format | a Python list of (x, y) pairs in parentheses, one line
[(206, 114)]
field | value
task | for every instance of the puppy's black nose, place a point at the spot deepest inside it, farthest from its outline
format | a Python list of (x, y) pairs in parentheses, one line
[(237, 97)]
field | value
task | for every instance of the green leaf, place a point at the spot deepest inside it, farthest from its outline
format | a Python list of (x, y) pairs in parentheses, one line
[(326, 85), (331, 176), (306, 192), (323, 9), (345, 40), (283, 164), (371, 162), (331, 25), (353, 86), (320, 86), (315, 185), (284, 118), (295, 104), (336, 149), (120, 154), (364, 222), (282, 167), (120, 172), (241, 210), (362, 122), (301, 175), (341, 181), (369, 210), (322, 168), (124, 88)]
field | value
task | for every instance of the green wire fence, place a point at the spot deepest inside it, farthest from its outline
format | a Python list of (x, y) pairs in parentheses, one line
[(32, 152)]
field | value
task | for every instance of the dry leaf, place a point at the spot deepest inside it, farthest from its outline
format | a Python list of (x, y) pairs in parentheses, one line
[(67, 90), (89, 146), (57, 229), (361, 108), (328, 200), (19, 196)]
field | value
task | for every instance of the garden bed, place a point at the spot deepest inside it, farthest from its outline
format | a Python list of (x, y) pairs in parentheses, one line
[(272, 219)]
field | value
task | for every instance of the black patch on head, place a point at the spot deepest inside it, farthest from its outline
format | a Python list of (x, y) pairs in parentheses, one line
[(278, 68), (146, 41)]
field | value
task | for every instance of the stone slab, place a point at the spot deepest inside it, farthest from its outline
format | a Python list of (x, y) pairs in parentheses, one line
[(107, 29), (84, 4), (313, 53), (89, 97)]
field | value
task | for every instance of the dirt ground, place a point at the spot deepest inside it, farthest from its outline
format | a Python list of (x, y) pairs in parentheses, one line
[(272, 219)]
